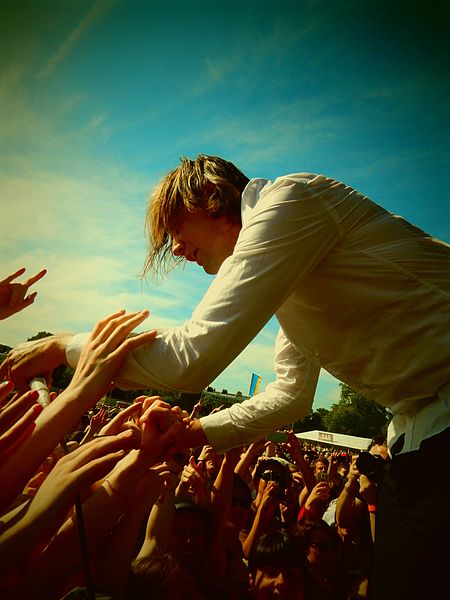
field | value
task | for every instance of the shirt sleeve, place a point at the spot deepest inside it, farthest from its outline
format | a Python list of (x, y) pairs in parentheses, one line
[(284, 237), (284, 401)]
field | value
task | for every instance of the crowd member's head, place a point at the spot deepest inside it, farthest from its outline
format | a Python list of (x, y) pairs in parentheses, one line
[(320, 466), (321, 546), (208, 187), (241, 500), (343, 466), (272, 469), (160, 577), (191, 534), (277, 568)]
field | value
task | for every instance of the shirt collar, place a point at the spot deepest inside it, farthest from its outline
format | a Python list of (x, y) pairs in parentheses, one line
[(250, 196)]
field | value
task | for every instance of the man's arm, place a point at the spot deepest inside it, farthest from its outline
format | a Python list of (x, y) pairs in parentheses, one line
[(36, 358), (287, 399)]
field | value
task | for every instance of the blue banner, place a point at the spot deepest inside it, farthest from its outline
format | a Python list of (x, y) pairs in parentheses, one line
[(254, 384)]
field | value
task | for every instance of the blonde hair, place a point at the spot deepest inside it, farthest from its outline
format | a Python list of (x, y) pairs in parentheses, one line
[(207, 183)]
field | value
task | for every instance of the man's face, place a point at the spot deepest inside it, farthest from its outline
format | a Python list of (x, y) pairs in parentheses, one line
[(203, 239), (320, 467)]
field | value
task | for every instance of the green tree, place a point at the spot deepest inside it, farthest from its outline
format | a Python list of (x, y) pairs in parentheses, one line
[(356, 415), (315, 420)]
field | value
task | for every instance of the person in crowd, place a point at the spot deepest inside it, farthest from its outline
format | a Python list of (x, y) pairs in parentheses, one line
[(236, 521), (160, 577), (356, 507), (321, 546), (248, 461), (271, 480), (356, 290), (277, 568), (184, 529)]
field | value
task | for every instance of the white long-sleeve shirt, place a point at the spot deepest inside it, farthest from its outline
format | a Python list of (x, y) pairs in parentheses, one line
[(356, 290)]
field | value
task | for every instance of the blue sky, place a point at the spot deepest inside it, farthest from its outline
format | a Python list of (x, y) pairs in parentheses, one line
[(98, 99)]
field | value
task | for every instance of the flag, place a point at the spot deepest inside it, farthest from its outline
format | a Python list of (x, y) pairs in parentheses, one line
[(254, 384)]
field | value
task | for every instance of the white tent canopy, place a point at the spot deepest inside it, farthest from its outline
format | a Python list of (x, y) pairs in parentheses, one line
[(334, 439)]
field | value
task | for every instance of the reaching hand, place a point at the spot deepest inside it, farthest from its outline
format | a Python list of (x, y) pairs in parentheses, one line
[(108, 346), (160, 427), (121, 420), (98, 420), (73, 475), (270, 499), (319, 497), (13, 296), (17, 419), (194, 482)]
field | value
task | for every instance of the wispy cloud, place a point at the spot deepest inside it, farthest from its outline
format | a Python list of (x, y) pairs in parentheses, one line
[(99, 9)]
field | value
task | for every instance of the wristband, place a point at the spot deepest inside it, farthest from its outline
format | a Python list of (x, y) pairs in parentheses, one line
[(372, 508)]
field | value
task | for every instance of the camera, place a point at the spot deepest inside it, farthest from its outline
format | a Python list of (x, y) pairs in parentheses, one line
[(277, 476), (372, 466)]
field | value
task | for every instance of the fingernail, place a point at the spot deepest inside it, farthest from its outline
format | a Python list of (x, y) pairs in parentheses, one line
[(6, 384)]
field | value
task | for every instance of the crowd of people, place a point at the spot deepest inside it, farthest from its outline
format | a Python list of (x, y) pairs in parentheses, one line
[(101, 502)]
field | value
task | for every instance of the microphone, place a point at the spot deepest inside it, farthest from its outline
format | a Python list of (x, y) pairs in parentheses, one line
[(40, 385)]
